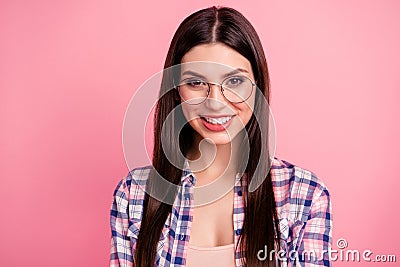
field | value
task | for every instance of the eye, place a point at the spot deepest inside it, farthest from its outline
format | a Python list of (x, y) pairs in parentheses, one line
[(233, 81), (195, 83)]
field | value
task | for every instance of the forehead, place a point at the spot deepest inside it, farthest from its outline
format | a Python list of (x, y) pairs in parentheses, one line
[(214, 60)]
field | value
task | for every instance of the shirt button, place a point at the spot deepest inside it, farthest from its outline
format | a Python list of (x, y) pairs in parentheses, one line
[(238, 231), (239, 193)]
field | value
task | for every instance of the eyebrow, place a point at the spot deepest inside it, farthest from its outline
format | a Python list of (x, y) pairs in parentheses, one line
[(235, 71)]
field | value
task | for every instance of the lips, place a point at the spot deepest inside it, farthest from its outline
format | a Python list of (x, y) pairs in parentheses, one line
[(216, 123)]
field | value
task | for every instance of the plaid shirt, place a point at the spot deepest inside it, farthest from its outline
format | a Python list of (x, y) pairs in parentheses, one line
[(303, 208)]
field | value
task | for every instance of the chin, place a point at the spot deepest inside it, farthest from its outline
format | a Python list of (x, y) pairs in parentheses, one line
[(221, 138), (218, 140)]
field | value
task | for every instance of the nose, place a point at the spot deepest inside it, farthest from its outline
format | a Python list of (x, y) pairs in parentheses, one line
[(215, 100)]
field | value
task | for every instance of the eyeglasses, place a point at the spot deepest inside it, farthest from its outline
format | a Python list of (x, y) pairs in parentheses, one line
[(235, 89)]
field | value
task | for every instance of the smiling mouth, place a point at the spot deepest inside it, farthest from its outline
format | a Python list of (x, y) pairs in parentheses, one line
[(217, 120)]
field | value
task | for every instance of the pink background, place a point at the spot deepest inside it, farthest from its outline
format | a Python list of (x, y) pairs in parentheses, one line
[(69, 68)]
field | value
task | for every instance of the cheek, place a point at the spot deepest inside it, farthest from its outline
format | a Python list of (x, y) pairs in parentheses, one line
[(246, 111), (189, 113), (246, 116)]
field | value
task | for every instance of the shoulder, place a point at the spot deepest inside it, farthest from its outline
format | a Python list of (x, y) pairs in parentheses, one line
[(136, 177), (296, 190), (286, 173), (130, 191)]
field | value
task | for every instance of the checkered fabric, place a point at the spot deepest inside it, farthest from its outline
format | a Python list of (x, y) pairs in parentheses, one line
[(303, 208)]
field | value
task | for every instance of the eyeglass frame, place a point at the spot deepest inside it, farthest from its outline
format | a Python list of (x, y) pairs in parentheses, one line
[(221, 89)]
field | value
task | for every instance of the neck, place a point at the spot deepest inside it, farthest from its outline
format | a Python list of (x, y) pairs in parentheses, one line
[(211, 161)]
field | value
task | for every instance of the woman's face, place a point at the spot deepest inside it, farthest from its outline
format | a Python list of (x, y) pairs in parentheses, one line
[(217, 118)]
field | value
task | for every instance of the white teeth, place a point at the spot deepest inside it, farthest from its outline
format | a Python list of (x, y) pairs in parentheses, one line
[(221, 120)]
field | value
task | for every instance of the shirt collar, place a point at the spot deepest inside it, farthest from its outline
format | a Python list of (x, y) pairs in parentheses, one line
[(187, 174)]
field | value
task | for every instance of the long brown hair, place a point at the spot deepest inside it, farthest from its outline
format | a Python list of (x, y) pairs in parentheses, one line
[(211, 25)]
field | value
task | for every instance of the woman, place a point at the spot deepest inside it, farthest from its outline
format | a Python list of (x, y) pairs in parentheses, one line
[(255, 210)]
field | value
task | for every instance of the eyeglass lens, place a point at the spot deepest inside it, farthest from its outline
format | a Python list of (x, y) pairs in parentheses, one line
[(235, 89)]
